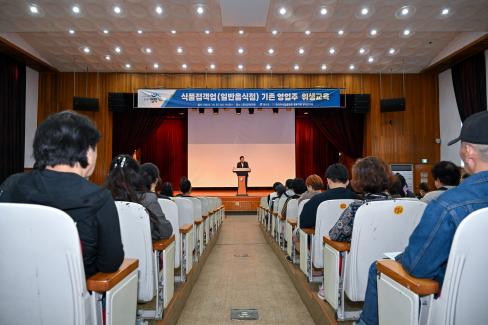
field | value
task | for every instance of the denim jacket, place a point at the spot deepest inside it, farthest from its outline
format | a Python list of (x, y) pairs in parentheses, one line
[(429, 245)]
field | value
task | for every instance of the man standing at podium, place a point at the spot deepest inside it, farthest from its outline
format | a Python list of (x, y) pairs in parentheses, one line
[(243, 164)]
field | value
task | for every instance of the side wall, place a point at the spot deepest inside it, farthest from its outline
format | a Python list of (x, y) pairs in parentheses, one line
[(397, 137)]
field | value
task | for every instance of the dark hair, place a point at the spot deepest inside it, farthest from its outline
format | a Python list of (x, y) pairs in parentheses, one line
[(447, 173), (424, 187), (275, 185), (396, 187), (315, 182), (370, 175), (124, 179), (289, 183), (149, 174), (185, 185), (64, 139), (241, 157), (299, 186), (166, 189), (337, 173), (280, 190)]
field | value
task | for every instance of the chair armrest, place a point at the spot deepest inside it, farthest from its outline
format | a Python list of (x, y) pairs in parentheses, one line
[(395, 271), (293, 223), (339, 246), (160, 245), (103, 282), (280, 216), (275, 214), (309, 231), (186, 228), (199, 221)]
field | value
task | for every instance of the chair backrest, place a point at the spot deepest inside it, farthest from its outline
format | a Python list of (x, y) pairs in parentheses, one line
[(170, 210), (379, 227), (263, 202), (465, 284), (197, 207), (206, 205), (42, 279), (281, 203), (136, 238), (292, 209), (185, 211), (300, 208), (328, 213)]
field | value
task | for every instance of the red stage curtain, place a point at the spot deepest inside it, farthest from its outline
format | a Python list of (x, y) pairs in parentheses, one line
[(313, 151), (167, 148)]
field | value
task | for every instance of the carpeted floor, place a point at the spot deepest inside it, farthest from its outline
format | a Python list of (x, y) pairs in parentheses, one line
[(243, 272)]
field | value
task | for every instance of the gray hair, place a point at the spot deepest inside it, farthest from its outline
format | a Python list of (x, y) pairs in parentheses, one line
[(482, 150)]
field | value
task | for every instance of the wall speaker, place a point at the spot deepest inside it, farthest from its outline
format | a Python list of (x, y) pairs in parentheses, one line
[(392, 104), (121, 102), (85, 104), (356, 103)]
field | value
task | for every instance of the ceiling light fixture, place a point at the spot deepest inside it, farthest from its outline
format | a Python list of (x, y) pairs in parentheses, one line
[(352, 67), (75, 9), (33, 9), (127, 66), (200, 10), (364, 11), (445, 11), (71, 31), (156, 66), (179, 50), (332, 51), (159, 10), (370, 59), (212, 66), (86, 49), (406, 32), (340, 32), (107, 57), (118, 49), (301, 51), (105, 31), (173, 32), (274, 32), (373, 32), (117, 10), (207, 32), (270, 51), (240, 67), (268, 66), (241, 32), (362, 50), (307, 32), (283, 11), (139, 31), (296, 67), (323, 67), (240, 50), (184, 66), (148, 50), (209, 50), (323, 11), (392, 51)]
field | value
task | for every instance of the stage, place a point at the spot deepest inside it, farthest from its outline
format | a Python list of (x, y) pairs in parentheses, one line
[(234, 203)]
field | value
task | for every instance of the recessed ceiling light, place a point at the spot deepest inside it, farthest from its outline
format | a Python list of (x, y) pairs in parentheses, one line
[(117, 10), (373, 32), (75, 9), (118, 49), (307, 32), (33, 9), (241, 32), (127, 65), (184, 66), (323, 67), (159, 10), (445, 11), (323, 11), (332, 50), (86, 49), (352, 67), (107, 57), (173, 32), (406, 32), (270, 51), (370, 59), (240, 67), (200, 10), (156, 66), (274, 32), (209, 50), (405, 11), (240, 50), (105, 31), (296, 67), (179, 50), (362, 50), (212, 66), (364, 11), (340, 32), (283, 11), (207, 31), (391, 51), (301, 50), (139, 31), (147, 50), (71, 31), (268, 66)]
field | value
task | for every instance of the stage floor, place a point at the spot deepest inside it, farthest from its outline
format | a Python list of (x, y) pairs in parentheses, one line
[(228, 193), (234, 203)]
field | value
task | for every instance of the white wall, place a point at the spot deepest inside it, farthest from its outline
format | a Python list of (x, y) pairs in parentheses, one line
[(31, 92), (450, 122)]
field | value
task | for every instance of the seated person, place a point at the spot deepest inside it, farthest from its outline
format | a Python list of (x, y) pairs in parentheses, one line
[(128, 183), (289, 187), (314, 186), (399, 187), (185, 187), (446, 176), (337, 181), (429, 245), (166, 191), (272, 194), (423, 189), (65, 151), (371, 177), (298, 188), (280, 192)]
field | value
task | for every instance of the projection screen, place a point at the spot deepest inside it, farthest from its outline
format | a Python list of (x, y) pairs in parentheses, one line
[(215, 143)]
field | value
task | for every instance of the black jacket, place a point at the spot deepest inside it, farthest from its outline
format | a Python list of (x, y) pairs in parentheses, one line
[(91, 207), (245, 165), (308, 216)]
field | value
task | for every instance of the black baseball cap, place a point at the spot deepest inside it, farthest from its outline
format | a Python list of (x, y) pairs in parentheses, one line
[(474, 130)]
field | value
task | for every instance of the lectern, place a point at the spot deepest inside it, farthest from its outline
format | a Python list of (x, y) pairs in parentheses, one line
[(241, 180)]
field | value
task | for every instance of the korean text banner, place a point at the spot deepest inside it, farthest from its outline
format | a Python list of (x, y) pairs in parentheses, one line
[(239, 98)]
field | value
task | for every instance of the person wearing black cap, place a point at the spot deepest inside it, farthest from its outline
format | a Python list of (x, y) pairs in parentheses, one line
[(429, 245)]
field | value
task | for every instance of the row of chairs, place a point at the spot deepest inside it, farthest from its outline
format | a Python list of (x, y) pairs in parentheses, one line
[(42, 275), (381, 227)]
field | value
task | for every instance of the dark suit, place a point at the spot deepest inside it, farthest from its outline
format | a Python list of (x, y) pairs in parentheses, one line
[(243, 165)]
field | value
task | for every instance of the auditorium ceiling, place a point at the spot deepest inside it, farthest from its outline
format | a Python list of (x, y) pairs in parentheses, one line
[(233, 36)]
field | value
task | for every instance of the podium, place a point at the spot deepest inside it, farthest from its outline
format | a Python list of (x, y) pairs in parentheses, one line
[(241, 180)]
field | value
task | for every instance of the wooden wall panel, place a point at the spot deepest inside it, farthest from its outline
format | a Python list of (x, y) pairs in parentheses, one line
[(397, 137)]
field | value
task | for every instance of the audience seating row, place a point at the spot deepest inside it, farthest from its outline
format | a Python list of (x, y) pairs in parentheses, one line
[(45, 269)]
